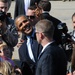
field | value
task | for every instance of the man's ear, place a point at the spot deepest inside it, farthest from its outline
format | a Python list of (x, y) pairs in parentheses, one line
[(41, 35)]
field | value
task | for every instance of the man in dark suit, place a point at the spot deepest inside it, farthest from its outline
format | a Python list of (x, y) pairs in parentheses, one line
[(52, 59), (21, 6), (29, 50), (46, 7), (31, 16)]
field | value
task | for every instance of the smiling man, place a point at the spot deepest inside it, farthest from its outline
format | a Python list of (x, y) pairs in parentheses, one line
[(23, 25), (29, 50)]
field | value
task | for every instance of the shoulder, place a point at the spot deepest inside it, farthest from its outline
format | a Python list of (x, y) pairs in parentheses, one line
[(56, 19), (53, 49), (10, 21), (19, 0)]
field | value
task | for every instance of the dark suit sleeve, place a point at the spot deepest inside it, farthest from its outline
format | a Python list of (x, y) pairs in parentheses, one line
[(47, 66), (21, 53), (54, 64), (16, 8)]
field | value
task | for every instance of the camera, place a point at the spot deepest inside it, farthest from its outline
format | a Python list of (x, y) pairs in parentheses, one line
[(2, 15)]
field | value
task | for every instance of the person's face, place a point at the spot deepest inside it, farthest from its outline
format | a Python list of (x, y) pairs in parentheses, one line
[(4, 51), (23, 25), (73, 20), (30, 14), (3, 6)]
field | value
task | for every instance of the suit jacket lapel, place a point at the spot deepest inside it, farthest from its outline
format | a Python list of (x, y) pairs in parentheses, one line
[(34, 50), (41, 53)]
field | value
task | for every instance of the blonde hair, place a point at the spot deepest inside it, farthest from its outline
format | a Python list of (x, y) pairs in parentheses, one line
[(3, 44), (6, 68)]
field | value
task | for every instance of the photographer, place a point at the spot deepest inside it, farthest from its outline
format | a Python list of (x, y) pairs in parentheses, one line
[(8, 30)]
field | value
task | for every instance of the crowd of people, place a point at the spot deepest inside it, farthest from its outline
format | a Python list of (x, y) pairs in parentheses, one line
[(41, 49)]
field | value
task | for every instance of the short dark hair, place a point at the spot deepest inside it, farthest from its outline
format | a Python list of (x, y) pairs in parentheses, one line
[(45, 5), (18, 18), (32, 7)]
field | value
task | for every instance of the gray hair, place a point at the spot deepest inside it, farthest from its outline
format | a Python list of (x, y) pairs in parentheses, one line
[(46, 27)]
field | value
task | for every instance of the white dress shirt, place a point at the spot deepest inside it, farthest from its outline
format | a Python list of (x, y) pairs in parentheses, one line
[(27, 4), (30, 49)]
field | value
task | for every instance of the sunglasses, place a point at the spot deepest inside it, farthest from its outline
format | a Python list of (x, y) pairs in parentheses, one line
[(30, 17), (74, 22)]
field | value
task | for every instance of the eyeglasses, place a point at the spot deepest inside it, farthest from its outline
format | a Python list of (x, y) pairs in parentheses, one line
[(30, 17), (38, 32)]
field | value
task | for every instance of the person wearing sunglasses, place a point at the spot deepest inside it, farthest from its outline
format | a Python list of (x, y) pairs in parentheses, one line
[(29, 50), (31, 14), (31, 17), (21, 6)]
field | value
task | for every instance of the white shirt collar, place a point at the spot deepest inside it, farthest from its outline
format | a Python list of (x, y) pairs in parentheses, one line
[(45, 12), (45, 46)]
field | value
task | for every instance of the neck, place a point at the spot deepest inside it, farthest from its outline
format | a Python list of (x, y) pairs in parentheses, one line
[(46, 41)]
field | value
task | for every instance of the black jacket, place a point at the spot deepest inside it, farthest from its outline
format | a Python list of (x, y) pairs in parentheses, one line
[(27, 65), (52, 61), (10, 37), (57, 33)]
